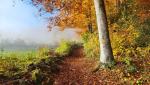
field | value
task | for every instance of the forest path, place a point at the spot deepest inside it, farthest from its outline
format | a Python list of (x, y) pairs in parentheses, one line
[(77, 70)]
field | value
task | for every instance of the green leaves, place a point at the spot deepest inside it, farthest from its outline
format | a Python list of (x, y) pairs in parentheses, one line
[(91, 44), (64, 48)]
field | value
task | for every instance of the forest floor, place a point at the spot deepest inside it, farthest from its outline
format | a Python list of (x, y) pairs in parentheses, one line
[(78, 70)]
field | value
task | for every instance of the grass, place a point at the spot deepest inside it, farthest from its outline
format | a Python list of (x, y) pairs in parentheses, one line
[(16, 62)]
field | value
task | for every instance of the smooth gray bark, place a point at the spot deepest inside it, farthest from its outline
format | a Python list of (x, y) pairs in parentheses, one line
[(106, 55)]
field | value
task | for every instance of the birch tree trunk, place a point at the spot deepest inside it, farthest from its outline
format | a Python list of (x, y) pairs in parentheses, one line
[(106, 55)]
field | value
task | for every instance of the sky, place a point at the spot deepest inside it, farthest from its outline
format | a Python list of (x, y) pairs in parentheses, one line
[(21, 20)]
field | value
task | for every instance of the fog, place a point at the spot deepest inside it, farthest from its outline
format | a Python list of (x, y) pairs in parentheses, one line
[(33, 38)]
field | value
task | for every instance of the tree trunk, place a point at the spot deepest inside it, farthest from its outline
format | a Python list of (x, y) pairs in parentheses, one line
[(106, 55)]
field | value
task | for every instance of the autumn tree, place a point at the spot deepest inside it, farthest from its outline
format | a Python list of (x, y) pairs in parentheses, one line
[(81, 14)]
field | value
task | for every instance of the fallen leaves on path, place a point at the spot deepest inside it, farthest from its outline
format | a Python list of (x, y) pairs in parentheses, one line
[(77, 70)]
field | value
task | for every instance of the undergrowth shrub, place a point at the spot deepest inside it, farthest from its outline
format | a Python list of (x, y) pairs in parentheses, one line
[(66, 47), (129, 65), (131, 69), (91, 44), (144, 37)]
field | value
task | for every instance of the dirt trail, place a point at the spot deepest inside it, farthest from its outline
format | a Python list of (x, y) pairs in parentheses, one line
[(73, 70), (77, 70)]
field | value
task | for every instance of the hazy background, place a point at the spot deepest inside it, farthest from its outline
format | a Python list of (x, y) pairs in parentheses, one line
[(22, 27)]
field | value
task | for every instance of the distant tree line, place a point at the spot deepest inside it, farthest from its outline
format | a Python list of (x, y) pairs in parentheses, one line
[(19, 44)]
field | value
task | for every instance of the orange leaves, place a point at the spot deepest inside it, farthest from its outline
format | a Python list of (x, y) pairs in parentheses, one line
[(79, 14), (72, 13)]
